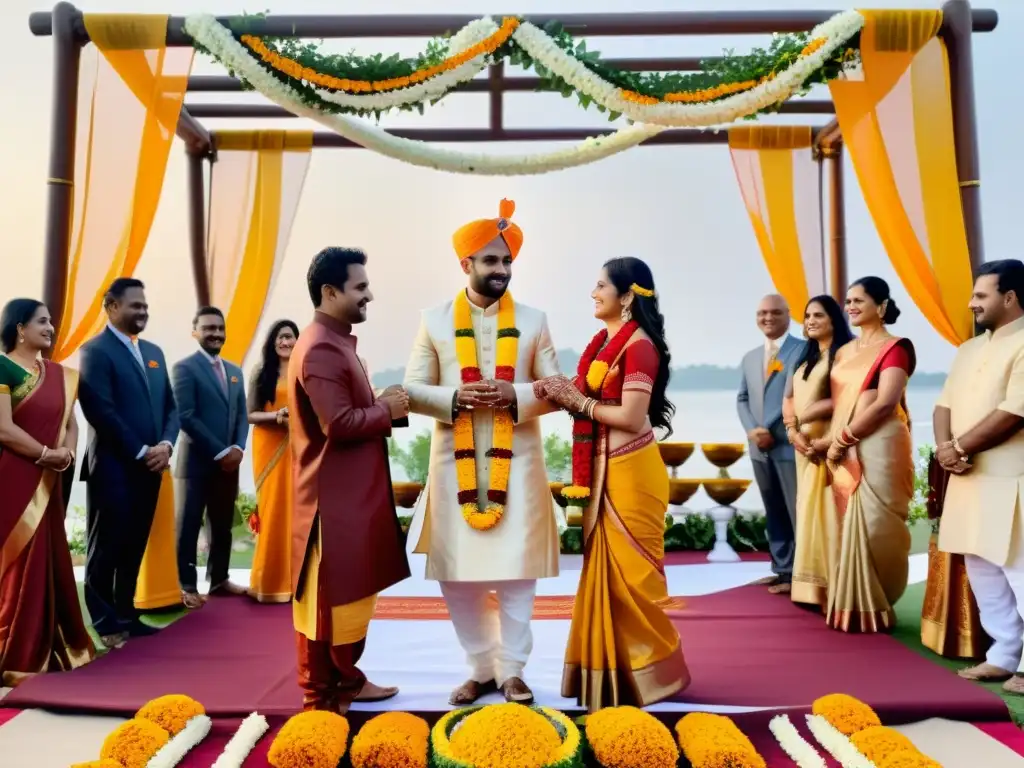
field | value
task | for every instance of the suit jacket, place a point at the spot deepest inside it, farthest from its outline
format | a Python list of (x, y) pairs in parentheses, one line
[(128, 407), (759, 401), (338, 432), (211, 421), (524, 545)]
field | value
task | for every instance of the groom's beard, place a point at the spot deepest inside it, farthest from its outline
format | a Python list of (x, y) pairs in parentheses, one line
[(489, 286)]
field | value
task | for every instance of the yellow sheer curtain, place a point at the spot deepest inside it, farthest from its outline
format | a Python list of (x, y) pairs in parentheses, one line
[(255, 187), (896, 119), (131, 88), (778, 180)]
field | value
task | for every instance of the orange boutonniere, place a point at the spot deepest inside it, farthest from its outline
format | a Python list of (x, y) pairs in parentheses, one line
[(775, 366), (154, 364), (234, 379)]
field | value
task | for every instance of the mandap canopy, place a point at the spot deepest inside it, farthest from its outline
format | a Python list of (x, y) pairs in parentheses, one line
[(900, 84)]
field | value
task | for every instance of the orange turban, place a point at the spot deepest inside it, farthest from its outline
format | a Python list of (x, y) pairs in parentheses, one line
[(477, 234)]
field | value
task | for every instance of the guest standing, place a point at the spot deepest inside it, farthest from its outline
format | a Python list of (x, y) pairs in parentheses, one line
[(41, 623), (978, 422), (623, 648), (759, 403), (346, 539), (807, 415), (870, 456), (270, 580), (127, 399), (214, 428)]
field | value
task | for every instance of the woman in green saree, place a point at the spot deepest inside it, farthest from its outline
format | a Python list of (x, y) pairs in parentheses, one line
[(41, 623)]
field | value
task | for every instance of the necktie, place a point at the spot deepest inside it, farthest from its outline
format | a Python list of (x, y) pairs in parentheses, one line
[(137, 351), (220, 374), (773, 353)]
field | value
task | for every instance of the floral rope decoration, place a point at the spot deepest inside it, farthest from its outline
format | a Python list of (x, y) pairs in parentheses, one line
[(591, 373), (715, 741), (500, 453)]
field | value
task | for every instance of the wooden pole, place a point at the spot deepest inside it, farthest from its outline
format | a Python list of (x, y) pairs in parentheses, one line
[(197, 227), (60, 196), (838, 272), (956, 33)]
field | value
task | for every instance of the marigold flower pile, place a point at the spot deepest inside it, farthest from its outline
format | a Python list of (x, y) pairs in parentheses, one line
[(391, 740), (627, 737), (714, 741), (881, 746), (310, 740)]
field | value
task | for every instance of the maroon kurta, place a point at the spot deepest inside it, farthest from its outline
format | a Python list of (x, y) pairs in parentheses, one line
[(340, 467)]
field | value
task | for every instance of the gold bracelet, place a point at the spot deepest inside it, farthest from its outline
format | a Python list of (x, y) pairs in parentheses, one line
[(43, 455)]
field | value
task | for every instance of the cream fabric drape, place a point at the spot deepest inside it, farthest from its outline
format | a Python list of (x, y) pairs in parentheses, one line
[(778, 180), (131, 88), (896, 119), (255, 187)]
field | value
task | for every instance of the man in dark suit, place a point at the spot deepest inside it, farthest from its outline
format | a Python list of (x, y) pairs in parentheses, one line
[(214, 428), (126, 397), (759, 403)]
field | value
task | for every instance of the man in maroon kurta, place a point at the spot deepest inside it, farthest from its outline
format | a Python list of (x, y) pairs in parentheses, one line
[(346, 538)]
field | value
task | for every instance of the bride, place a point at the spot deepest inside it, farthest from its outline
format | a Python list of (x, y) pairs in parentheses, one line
[(623, 648)]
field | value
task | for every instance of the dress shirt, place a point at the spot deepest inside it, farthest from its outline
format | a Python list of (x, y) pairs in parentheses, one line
[(133, 347)]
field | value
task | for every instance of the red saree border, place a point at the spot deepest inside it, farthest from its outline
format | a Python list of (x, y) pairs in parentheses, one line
[(633, 445)]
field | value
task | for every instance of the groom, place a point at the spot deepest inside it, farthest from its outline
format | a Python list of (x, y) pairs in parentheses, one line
[(487, 519)]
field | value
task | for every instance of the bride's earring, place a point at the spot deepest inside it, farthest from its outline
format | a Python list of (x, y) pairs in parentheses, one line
[(626, 315)]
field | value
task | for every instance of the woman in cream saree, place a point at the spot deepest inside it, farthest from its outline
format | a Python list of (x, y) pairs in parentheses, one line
[(871, 461)]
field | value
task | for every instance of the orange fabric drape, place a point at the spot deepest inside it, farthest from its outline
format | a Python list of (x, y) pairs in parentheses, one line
[(130, 94), (255, 188), (897, 123), (776, 172)]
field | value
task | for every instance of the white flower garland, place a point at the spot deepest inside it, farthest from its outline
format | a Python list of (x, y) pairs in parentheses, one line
[(242, 743), (836, 31), (472, 34), (174, 751), (217, 39), (836, 743), (800, 751)]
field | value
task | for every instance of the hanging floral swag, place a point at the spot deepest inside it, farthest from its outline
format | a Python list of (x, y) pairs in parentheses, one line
[(353, 84)]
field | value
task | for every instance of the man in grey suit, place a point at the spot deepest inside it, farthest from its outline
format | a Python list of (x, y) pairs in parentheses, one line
[(214, 427), (759, 402)]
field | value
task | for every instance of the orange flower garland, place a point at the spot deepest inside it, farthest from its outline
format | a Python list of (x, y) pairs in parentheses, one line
[(462, 429), (294, 69)]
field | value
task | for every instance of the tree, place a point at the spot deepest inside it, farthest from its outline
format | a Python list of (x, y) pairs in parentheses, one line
[(558, 458)]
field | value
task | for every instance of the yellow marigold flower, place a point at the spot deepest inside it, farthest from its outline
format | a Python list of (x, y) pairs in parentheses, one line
[(391, 740), (310, 740), (171, 712), (847, 714), (596, 374), (505, 735), (105, 763), (715, 741), (907, 758), (878, 741), (627, 737), (133, 743)]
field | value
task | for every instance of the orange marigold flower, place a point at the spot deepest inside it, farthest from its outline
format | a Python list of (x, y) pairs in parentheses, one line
[(171, 712), (391, 740), (105, 763), (878, 741), (133, 743), (846, 714), (627, 737), (504, 735), (908, 758), (715, 741), (310, 740)]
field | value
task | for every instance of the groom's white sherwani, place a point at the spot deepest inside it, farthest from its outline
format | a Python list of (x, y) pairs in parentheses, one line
[(523, 546)]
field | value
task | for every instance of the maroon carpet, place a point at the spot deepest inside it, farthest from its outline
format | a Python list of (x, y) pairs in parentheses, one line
[(744, 647)]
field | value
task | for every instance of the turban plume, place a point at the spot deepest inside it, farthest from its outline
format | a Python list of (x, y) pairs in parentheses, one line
[(474, 236)]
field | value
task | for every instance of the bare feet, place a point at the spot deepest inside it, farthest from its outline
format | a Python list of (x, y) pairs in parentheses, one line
[(228, 588), (114, 641), (374, 692), (1014, 685), (192, 600), (515, 690), (766, 581), (470, 691), (985, 673), (782, 588)]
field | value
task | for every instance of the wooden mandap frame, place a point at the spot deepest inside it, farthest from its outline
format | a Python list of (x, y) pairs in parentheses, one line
[(65, 25)]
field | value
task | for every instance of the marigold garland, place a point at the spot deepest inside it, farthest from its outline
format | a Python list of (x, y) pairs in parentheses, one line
[(627, 737), (908, 758), (714, 741), (878, 741), (294, 69), (104, 763), (391, 740), (846, 714), (171, 712), (591, 374), (133, 743), (500, 454), (314, 739)]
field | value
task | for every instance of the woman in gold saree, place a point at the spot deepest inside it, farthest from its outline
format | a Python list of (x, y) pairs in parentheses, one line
[(270, 579), (807, 414), (623, 648), (870, 456), (41, 624)]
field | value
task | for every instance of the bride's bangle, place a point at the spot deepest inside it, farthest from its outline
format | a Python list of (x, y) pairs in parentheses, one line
[(588, 407)]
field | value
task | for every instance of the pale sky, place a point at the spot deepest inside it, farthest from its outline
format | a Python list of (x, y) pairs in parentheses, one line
[(679, 208)]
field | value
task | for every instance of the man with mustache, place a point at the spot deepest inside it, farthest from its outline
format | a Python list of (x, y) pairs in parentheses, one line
[(127, 399), (486, 521), (979, 441), (214, 427)]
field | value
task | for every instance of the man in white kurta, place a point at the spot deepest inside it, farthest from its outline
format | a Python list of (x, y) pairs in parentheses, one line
[(488, 577), (977, 422)]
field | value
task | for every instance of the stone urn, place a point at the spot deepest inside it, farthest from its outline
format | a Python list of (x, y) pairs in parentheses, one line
[(675, 454), (406, 494), (724, 492), (723, 455), (680, 491)]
